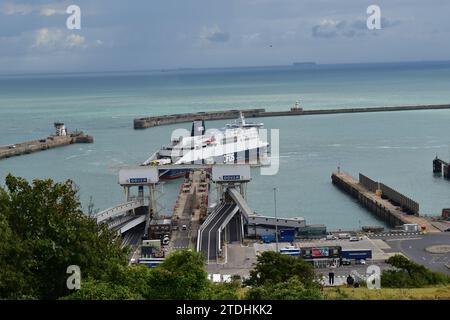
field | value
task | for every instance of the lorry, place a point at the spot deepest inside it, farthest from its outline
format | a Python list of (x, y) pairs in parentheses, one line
[(356, 254), (287, 235)]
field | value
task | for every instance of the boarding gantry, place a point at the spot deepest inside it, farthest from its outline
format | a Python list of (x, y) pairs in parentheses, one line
[(138, 208)]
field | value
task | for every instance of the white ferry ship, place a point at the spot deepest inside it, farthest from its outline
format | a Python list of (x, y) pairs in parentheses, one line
[(238, 142)]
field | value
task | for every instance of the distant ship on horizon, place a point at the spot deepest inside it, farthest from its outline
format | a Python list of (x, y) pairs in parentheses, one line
[(304, 64)]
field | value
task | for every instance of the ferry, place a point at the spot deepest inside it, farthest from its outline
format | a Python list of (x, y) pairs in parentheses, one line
[(238, 142)]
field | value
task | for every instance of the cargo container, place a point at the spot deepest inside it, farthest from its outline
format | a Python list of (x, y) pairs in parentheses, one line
[(268, 238), (287, 235), (356, 254)]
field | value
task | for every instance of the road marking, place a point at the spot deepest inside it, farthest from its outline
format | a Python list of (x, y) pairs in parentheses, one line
[(403, 239)]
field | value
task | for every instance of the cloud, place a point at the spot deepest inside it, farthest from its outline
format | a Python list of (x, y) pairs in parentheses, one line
[(330, 28), (57, 39), (10, 9), (74, 40), (327, 29), (214, 34), (46, 10), (51, 11), (251, 38)]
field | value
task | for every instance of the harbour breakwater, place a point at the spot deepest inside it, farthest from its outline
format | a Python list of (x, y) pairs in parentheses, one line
[(148, 122), (43, 144), (384, 202)]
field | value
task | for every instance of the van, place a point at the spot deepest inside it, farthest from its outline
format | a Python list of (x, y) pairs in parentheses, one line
[(344, 236)]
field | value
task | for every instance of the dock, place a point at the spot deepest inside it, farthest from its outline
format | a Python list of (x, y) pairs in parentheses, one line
[(148, 122), (386, 203), (61, 138)]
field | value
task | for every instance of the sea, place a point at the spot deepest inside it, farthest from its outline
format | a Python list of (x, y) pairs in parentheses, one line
[(396, 148)]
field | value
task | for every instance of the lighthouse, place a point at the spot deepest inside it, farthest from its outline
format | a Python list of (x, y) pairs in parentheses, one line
[(60, 129)]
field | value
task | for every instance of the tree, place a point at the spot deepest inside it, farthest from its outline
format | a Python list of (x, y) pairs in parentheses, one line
[(223, 291), (272, 268), (44, 231), (96, 290), (181, 276)]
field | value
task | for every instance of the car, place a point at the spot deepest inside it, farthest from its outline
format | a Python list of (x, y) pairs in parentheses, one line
[(346, 262), (330, 237), (362, 261), (353, 239), (447, 230), (183, 227), (165, 241)]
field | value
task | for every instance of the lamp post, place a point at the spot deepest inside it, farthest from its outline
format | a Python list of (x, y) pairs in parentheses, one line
[(276, 218)]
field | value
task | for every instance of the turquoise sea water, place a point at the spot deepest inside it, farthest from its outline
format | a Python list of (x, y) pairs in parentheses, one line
[(396, 148)]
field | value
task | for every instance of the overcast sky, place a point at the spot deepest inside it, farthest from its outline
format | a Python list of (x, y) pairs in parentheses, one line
[(154, 34)]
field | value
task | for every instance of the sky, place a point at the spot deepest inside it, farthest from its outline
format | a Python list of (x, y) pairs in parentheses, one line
[(165, 34)]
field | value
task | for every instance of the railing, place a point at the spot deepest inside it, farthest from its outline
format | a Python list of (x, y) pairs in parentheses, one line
[(119, 210)]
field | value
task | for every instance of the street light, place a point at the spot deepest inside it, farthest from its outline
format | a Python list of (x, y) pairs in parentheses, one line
[(276, 218)]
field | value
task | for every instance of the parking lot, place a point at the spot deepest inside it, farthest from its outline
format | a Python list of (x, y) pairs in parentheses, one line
[(240, 259)]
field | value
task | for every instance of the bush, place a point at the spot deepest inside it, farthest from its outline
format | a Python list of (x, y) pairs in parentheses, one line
[(293, 289), (410, 275)]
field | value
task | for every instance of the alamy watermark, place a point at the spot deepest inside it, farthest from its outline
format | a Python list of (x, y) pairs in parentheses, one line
[(74, 280), (249, 146), (374, 19), (73, 22), (372, 277)]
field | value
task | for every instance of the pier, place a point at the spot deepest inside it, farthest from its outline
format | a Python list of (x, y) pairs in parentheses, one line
[(60, 138), (148, 122), (441, 167), (383, 201)]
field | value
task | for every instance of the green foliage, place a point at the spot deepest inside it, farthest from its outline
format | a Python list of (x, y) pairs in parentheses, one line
[(95, 290), (273, 268), (43, 231), (281, 277), (292, 289), (223, 291), (410, 275), (181, 276)]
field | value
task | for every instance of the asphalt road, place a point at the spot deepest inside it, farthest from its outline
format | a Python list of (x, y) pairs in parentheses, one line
[(414, 249), (209, 234)]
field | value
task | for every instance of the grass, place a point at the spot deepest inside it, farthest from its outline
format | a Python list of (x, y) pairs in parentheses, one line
[(362, 293)]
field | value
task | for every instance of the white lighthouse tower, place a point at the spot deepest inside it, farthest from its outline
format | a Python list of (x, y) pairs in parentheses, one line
[(60, 129)]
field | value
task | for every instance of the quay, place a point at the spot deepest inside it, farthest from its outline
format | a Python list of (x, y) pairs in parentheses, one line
[(384, 202), (60, 138), (148, 122)]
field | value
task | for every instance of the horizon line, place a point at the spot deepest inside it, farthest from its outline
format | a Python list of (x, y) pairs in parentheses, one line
[(163, 69)]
